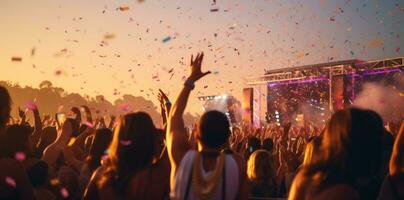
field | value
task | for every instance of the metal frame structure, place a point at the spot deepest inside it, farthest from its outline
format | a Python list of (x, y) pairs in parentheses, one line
[(324, 71)]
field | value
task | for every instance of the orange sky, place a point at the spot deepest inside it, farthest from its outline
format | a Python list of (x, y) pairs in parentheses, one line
[(251, 36)]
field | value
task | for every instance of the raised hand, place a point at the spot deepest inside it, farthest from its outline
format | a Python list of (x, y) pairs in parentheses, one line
[(21, 113), (164, 101), (196, 71)]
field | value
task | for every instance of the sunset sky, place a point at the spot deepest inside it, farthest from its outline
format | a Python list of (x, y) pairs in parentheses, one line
[(93, 47)]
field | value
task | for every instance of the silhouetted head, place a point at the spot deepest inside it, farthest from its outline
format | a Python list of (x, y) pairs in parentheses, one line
[(5, 108), (38, 173), (268, 144), (213, 129), (352, 144)]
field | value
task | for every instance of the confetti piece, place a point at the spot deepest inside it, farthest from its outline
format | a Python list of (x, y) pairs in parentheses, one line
[(58, 72), (123, 8), (166, 39), (352, 53), (214, 9), (125, 107), (10, 181), (20, 156), (125, 142), (205, 86), (31, 105), (64, 192), (54, 181), (16, 59), (88, 124), (398, 50), (375, 43), (104, 157), (33, 51), (332, 18), (109, 36)]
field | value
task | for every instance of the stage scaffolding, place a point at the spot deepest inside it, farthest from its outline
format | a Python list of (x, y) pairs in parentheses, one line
[(327, 71)]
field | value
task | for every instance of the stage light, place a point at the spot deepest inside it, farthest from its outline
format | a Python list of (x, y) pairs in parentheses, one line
[(224, 96), (276, 112)]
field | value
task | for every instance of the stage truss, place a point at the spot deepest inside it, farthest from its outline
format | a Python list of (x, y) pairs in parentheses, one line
[(312, 72)]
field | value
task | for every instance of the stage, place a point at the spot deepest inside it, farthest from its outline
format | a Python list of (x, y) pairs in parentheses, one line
[(312, 92)]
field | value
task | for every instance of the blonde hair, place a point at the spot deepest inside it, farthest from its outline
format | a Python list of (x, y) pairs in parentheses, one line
[(260, 166), (310, 150)]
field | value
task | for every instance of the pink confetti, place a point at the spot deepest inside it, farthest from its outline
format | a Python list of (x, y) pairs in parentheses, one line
[(31, 105), (104, 157), (88, 124), (125, 107), (64, 192), (10, 181), (20, 156), (398, 50), (125, 142)]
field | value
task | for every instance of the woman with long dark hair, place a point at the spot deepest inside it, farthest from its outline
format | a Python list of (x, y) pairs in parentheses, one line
[(348, 160), (132, 170)]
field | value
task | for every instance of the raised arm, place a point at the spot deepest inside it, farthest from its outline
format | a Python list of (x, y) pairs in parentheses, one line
[(38, 124), (165, 106), (177, 137), (22, 115), (53, 151)]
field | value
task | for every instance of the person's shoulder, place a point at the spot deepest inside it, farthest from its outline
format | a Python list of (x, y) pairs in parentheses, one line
[(338, 191), (238, 158)]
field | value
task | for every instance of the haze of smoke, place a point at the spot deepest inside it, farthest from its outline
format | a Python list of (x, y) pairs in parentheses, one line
[(385, 100)]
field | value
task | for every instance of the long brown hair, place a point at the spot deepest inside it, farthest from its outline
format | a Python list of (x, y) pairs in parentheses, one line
[(131, 149), (350, 148)]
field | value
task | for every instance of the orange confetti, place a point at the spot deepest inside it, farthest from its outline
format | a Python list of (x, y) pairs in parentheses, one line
[(123, 8), (375, 43), (16, 59)]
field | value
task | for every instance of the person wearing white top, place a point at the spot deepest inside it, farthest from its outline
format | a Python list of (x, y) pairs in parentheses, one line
[(208, 172)]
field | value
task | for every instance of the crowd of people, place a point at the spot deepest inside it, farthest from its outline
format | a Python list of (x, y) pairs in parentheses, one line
[(354, 156)]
